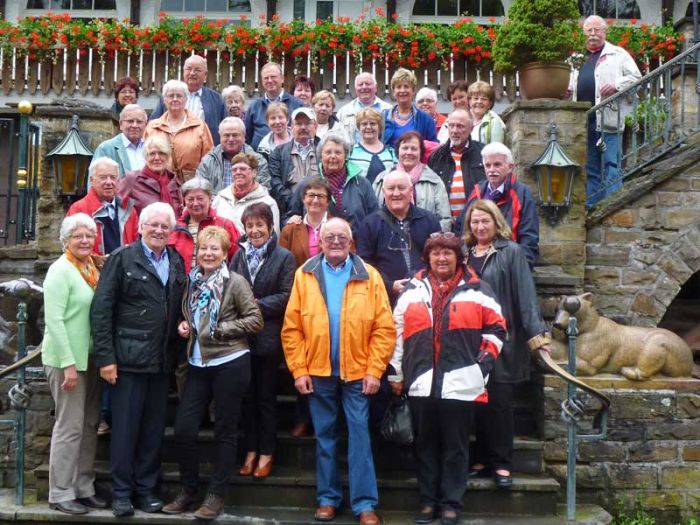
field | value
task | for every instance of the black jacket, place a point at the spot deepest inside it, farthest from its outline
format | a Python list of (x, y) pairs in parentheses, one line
[(133, 316), (507, 271), (442, 163), (272, 287)]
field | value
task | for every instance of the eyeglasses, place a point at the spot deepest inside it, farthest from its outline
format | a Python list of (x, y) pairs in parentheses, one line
[(83, 237), (426, 101), (444, 235), (340, 239), (594, 30), (156, 226), (479, 98), (171, 96), (313, 196)]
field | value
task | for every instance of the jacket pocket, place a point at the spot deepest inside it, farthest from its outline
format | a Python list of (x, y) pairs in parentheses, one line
[(135, 347), (464, 383)]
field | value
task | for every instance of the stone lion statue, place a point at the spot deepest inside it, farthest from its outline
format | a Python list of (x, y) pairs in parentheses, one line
[(604, 346)]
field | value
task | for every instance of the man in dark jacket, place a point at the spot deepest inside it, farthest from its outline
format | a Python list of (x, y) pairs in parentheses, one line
[(134, 317), (458, 161), (512, 197)]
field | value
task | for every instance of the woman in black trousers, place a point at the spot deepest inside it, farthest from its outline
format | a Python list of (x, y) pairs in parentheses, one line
[(269, 269)]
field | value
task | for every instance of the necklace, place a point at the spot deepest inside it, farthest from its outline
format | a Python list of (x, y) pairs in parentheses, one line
[(403, 118), (478, 251)]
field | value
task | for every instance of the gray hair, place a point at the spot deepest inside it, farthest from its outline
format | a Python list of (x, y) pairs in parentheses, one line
[(233, 90), (497, 148), (157, 208), (336, 220), (596, 18), (427, 92), (197, 183), (460, 110), (174, 85), (72, 223), (129, 108), (336, 139), (196, 58), (102, 161), (232, 121)]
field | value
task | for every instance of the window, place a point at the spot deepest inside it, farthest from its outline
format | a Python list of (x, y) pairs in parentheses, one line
[(62, 5), (324, 10), (456, 8), (610, 8), (204, 7)]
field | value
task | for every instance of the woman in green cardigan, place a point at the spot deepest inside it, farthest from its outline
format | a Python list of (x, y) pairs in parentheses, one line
[(73, 379)]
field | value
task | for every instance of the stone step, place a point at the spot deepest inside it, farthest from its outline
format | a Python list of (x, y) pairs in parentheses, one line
[(286, 487)]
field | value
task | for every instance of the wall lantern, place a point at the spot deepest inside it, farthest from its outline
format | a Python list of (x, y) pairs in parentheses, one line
[(70, 160), (555, 172)]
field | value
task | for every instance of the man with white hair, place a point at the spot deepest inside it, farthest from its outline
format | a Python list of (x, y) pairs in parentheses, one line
[(216, 165), (133, 319), (366, 89), (126, 149), (512, 197), (202, 101), (607, 70)]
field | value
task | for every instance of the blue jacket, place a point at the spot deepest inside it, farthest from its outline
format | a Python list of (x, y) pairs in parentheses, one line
[(422, 123), (255, 122), (114, 149), (214, 111)]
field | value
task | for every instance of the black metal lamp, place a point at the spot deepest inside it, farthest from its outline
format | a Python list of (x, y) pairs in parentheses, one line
[(555, 172), (71, 160)]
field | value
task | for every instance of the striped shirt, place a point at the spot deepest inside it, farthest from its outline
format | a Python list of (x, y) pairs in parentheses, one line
[(458, 198)]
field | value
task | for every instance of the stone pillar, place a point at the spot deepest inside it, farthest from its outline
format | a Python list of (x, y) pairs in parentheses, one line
[(560, 269)]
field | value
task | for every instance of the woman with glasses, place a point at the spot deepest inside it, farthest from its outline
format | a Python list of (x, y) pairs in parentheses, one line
[(488, 126), (426, 99), (449, 334), (370, 154)]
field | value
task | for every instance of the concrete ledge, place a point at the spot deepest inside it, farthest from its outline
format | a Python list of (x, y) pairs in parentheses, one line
[(613, 381)]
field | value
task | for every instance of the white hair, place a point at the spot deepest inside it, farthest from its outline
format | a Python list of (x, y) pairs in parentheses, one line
[(174, 85), (365, 74), (197, 58), (336, 220), (232, 121), (596, 18), (233, 90), (336, 139), (157, 208), (129, 108), (197, 183), (102, 161), (461, 110), (72, 223), (427, 92), (497, 148)]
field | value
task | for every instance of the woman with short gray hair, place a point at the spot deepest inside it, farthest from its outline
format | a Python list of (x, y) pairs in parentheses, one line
[(71, 373)]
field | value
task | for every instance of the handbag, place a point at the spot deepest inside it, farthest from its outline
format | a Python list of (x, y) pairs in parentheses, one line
[(397, 426)]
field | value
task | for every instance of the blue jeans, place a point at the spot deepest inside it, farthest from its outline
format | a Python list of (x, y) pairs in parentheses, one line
[(602, 168), (325, 402)]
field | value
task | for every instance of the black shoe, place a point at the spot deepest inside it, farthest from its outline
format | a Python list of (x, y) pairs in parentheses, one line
[(426, 515), (449, 520), (94, 502), (149, 503), (122, 507), (69, 507), (503, 482)]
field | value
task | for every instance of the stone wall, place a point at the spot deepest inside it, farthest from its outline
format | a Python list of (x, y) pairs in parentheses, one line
[(651, 454)]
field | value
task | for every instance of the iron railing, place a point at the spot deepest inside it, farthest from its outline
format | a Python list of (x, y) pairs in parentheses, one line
[(647, 120)]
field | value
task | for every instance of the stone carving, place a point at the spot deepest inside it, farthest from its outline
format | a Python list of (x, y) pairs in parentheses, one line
[(11, 294), (604, 346)]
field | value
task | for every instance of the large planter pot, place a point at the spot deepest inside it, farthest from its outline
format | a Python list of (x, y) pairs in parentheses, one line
[(544, 80)]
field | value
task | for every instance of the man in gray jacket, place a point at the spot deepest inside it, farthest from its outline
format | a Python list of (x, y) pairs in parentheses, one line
[(216, 165)]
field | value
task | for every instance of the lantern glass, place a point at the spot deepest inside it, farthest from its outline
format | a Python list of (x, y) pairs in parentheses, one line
[(70, 172)]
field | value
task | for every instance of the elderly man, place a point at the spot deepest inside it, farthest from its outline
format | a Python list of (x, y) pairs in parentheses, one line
[(202, 101), (366, 89), (512, 197), (216, 165), (116, 218), (126, 149), (607, 70), (133, 318), (392, 238), (255, 122), (339, 363), (294, 160), (458, 161)]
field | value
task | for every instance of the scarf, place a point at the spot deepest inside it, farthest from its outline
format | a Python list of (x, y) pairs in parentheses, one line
[(206, 293), (88, 270), (441, 293), (415, 175), (254, 257), (337, 181), (239, 194), (163, 180)]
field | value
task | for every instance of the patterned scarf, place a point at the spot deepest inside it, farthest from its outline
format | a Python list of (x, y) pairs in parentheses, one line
[(254, 257), (163, 180), (206, 293), (337, 181), (88, 270), (442, 290)]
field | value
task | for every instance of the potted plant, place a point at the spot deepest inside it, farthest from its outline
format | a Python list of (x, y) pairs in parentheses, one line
[(536, 38)]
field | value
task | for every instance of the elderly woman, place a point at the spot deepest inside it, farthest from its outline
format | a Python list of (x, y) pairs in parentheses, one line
[(405, 116), (426, 99), (70, 370), (234, 98), (488, 126), (188, 135), (323, 104), (153, 183), (371, 155), (269, 269), (429, 191), (457, 94), (501, 263), (220, 313), (449, 333), (303, 88), (198, 214), (126, 91), (244, 191), (277, 116)]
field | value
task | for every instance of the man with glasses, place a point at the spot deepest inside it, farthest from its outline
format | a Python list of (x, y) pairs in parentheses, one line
[(339, 364), (202, 101), (133, 318), (295, 160), (126, 149)]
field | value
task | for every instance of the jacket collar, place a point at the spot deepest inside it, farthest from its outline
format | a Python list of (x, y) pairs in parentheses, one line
[(357, 273)]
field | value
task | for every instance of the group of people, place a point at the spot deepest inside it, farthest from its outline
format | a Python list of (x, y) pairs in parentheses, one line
[(382, 246)]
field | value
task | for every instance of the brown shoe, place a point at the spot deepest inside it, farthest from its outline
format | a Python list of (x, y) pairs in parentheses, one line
[(211, 508), (325, 513), (249, 466), (369, 517), (182, 503), (263, 471), (300, 430)]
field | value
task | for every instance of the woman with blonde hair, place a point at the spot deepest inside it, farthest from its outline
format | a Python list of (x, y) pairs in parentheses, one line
[(488, 126), (277, 116), (405, 116), (370, 154)]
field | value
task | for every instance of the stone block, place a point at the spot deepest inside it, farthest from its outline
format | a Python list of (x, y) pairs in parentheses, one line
[(554, 451), (641, 404), (691, 453), (573, 254), (607, 255), (680, 217), (648, 218), (607, 275), (684, 477), (610, 301), (646, 256), (626, 430), (668, 198), (569, 233), (625, 218), (691, 199), (667, 289), (657, 238), (621, 236), (688, 406), (626, 476), (587, 476), (645, 304), (550, 254), (599, 451), (661, 500), (652, 451), (673, 266), (594, 235), (639, 277), (674, 430)]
